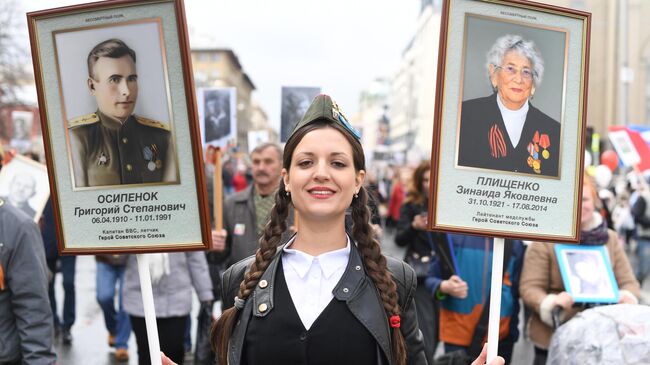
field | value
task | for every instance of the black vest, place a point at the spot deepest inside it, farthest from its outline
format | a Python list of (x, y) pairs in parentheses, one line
[(336, 337)]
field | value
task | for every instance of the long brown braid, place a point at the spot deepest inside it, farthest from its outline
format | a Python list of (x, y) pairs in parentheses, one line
[(375, 262), (222, 328)]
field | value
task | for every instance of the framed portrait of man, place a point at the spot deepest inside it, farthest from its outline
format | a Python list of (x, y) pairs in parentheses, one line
[(295, 101), (587, 273), (118, 113), (23, 184), (510, 120), (218, 115)]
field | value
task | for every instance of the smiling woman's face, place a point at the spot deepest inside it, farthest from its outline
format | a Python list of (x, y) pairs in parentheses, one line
[(322, 178), (513, 79)]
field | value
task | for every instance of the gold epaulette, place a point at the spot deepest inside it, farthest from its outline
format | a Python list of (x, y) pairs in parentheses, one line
[(83, 120), (151, 123)]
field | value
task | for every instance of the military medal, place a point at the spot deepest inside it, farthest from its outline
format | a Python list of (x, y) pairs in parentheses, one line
[(147, 153), (150, 154), (545, 143), (102, 160), (533, 159), (497, 143)]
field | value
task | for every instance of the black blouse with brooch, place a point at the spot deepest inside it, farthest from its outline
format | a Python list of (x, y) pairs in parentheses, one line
[(336, 337)]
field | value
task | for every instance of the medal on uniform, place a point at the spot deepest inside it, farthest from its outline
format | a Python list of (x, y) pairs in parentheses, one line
[(545, 143), (102, 159), (497, 143), (533, 159), (150, 154)]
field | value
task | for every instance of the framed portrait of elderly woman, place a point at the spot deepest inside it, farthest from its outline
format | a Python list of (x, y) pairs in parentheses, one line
[(118, 114), (509, 123)]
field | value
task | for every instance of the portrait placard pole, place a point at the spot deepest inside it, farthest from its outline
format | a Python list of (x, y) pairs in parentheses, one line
[(218, 191), (495, 299), (149, 310)]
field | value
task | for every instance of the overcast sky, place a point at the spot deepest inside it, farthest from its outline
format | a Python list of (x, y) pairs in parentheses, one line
[(339, 45)]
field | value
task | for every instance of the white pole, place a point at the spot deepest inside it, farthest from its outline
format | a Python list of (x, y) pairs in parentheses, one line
[(495, 299), (149, 310)]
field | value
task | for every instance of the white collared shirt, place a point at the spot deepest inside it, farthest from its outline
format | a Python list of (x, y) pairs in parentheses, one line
[(514, 120), (311, 279)]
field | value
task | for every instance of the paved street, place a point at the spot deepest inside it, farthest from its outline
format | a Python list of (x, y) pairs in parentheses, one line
[(90, 346)]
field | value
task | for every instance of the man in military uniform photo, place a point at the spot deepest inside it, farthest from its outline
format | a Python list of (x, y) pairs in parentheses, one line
[(113, 146)]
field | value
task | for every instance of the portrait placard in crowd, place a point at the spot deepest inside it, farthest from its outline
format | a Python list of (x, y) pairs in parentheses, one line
[(218, 115), (23, 184), (510, 120), (119, 126), (295, 101)]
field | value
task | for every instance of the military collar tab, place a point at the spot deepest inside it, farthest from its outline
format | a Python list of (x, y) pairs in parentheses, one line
[(324, 108)]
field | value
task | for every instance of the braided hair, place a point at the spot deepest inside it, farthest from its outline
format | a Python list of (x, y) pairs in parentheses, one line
[(369, 248)]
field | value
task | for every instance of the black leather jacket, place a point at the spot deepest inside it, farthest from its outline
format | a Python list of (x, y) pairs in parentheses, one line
[(356, 288)]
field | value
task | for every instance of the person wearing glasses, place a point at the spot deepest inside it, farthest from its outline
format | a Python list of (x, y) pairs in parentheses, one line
[(504, 131)]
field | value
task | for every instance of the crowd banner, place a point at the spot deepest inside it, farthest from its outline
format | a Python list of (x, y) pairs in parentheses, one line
[(509, 125)]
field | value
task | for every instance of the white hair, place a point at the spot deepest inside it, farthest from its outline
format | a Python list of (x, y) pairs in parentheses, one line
[(515, 43)]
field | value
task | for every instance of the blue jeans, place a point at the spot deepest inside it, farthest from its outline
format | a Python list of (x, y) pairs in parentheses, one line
[(643, 259), (67, 269), (117, 321)]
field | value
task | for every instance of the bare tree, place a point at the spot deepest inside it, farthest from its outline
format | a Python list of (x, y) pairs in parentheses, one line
[(14, 63)]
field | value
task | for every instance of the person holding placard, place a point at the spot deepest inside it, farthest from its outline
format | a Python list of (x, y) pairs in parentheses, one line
[(460, 279), (542, 288), (325, 294)]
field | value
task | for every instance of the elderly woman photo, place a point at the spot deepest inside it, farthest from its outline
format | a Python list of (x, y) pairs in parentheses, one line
[(504, 131)]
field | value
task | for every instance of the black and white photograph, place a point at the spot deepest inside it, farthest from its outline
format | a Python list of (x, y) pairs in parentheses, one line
[(23, 184), (295, 101), (218, 115), (587, 273), (22, 122)]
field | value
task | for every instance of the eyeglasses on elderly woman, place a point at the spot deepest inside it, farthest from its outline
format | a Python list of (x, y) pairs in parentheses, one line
[(526, 73)]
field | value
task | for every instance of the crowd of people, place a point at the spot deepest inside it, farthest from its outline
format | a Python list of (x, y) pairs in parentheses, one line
[(332, 250)]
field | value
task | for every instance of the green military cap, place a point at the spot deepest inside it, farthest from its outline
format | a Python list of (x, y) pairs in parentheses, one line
[(325, 109)]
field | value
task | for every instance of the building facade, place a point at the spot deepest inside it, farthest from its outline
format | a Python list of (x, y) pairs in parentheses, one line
[(220, 67)]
